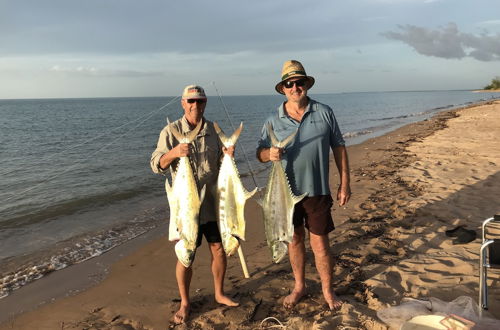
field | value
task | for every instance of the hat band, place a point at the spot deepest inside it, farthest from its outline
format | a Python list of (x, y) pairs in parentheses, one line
[(286, 76)]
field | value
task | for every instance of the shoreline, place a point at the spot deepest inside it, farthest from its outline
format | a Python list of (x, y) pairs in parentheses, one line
[(486, 91), (370, 165)]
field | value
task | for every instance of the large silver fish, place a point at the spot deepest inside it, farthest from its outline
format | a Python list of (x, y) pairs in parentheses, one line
[(184, 202), (231, 197), (278, 204)]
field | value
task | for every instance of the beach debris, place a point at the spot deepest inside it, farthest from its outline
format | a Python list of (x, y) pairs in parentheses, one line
[(253, 311), (453, 232), (461, 234), (272, 318), (463, 308), (231, 196), (184, 201), (278, 204)]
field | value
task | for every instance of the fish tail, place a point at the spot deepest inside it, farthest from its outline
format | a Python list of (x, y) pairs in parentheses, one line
[(188, 137), (231, 141), (274, 139)]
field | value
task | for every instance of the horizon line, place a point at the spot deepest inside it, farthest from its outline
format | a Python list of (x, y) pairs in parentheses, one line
[(236, 95)]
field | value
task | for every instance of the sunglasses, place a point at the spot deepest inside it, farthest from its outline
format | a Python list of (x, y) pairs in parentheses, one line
[(298, 83), (191, 101)]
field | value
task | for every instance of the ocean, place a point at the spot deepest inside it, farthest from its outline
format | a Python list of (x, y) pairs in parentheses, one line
[(75, 176)]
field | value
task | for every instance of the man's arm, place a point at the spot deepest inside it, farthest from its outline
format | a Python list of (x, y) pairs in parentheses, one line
[(342, 162), (179, 150)]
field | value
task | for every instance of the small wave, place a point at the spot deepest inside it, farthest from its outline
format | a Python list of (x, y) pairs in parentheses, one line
[(69, 207), (83, 249), (443, 107), (416, 114), (357, 133)]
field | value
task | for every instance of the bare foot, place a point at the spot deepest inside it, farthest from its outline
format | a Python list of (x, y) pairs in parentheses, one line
[(333, 302), (293, 298), (182, 315), (225, 300)]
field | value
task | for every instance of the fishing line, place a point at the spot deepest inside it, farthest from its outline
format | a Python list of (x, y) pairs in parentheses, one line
[(94, 153), (47, 158), (232, 126)]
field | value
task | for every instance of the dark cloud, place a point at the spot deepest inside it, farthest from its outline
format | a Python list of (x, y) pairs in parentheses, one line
[(448, 42)]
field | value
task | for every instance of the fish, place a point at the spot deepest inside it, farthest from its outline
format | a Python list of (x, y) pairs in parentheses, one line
[(278, 203), (184, 202), (231, 196)]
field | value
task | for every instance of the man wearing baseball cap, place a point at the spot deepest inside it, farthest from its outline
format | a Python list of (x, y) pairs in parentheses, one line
[(306, 162), (205, 154)]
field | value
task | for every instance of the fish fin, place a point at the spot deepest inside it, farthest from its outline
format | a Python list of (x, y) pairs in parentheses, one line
[(249, 194), (260, 198), (168, 187), (202, 193), (297, 199), (173, 227), (260, 201)]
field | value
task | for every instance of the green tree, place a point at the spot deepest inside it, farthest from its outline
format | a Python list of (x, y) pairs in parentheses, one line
[(495, 84)]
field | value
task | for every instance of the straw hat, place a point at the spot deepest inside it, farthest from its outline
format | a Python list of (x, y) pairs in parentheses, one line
[(193, 92), (292, 69)]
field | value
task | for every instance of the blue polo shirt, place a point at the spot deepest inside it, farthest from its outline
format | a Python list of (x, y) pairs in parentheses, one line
[(306, 158)]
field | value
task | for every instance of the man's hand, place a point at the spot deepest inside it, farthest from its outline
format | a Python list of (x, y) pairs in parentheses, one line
[(228, 151), (275, 154), (343, 194), (181, 150)]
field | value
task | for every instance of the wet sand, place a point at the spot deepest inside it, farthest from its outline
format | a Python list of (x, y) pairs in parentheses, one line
[(409, 186)]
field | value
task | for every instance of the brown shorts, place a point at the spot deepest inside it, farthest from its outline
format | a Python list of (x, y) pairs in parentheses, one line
[(315, 212)]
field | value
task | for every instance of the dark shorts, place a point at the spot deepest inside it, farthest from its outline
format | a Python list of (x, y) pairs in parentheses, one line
[(211, 232), (315, 213)]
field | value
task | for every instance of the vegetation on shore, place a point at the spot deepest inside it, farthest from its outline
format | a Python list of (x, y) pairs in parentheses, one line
[(495, 84)]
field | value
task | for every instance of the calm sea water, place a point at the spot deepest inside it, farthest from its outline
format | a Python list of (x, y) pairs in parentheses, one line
[(75, 176)]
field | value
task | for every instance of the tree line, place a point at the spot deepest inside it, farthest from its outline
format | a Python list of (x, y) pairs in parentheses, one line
[(495, 84)]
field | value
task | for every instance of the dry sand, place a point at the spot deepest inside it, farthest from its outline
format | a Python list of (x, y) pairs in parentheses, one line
[(409, 187)]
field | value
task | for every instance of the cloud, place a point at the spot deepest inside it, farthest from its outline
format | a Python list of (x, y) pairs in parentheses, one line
[(95, 72), (490, 22), (448, 42), (130, 27)]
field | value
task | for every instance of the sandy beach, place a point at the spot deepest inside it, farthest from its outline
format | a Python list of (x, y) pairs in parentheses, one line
[(409, 186)]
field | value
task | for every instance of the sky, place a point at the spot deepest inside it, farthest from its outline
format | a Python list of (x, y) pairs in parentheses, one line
[(130, 48)]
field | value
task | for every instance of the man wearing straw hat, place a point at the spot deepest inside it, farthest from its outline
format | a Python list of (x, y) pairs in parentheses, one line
[(306, 162), (205, 153)]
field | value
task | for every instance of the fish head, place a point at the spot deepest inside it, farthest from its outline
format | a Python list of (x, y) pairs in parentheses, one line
[(231, 245), (278, 251), (185, 254)]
